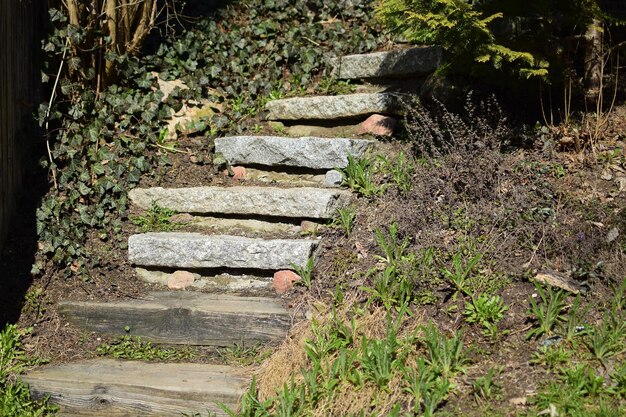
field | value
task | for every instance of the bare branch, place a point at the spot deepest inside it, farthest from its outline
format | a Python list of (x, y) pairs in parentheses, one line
[(72, 9), (145, 25), (111, 13)]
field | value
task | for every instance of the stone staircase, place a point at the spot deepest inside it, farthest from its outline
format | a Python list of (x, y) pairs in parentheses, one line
[(237, 239)]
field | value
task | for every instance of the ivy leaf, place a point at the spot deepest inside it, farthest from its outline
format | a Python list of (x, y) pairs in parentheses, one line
[(83, 188), (98, 169), (134, 176)]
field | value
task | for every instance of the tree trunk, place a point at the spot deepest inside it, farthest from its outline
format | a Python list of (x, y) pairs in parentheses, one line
[(144, 25), (111, 13), (594, 65), (72, 9)]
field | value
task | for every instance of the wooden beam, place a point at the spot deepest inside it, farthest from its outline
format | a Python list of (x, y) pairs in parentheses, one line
[(105, 387), (185, 318)]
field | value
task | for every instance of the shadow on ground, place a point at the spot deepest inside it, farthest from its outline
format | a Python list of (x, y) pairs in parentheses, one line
[(20, 246)]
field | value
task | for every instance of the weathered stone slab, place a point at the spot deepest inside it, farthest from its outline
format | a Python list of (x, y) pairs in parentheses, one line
[(398, 63), (245, 227), (301, 202), (194, 250), (303, 152), (280, 177), (186, 318), (333, 107), (106, 387), (221, 282), (340, 131)]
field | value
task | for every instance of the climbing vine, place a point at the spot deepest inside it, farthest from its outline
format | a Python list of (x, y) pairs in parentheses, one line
[(251, 52)]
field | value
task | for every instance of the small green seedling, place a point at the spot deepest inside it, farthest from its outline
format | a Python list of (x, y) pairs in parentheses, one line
[(486, 387), (548, 312), (345, 219), (460, 273), (305, 272), (486, 311), (156, 219), (359, 174)]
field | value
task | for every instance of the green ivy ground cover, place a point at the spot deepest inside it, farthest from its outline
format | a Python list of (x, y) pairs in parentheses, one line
[(102, 142)]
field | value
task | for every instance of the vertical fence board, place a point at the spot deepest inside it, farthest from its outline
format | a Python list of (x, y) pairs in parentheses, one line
[(20, 26)]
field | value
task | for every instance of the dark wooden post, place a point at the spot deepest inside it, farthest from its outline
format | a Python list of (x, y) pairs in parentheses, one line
[(21, 23)]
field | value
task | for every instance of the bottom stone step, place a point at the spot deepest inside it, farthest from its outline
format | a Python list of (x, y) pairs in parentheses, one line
[(105, 387), (242, 283), (189, 318)]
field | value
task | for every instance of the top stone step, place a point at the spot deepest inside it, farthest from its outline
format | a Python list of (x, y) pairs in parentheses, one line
[(302, 152), (334, 107), (399, 63)]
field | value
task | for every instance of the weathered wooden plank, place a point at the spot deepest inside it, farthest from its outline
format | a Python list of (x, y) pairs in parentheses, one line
[(185, 318), (105, 387)]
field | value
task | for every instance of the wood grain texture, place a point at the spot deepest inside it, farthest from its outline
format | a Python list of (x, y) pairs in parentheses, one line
[(105, 387), (185, 318)]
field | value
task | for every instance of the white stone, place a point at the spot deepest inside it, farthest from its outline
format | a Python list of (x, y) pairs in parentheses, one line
[(333, 178), (302, 152), (300, 202), (398, 63), (221, 282), (194, 250), (333, 107)]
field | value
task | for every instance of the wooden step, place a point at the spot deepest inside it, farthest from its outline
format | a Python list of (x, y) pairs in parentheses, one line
[(303, 152), (113, 388), (195, 250), (189, 318), (333, 107), (300, 202)]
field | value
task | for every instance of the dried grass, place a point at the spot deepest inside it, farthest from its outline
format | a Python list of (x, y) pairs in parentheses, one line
[(285, 363), (348, 402), (290, 357)]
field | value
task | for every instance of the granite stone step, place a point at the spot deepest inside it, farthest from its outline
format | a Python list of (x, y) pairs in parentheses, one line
[(303, 152), (184, 318), (243, 227), (250, 284), (399, 63), (106, 387), (334, 107), (299, 202), (195, 250)]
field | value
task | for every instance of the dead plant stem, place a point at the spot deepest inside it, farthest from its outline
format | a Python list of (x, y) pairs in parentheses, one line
[(47, 118)]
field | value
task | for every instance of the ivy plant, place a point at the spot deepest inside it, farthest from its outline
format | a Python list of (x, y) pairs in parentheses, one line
[(102, 139)]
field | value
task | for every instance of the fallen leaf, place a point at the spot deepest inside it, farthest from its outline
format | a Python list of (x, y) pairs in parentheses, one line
[(361, 252), (606, 175), (612, 235), (551, 411), (518, 401), (554, 280)]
